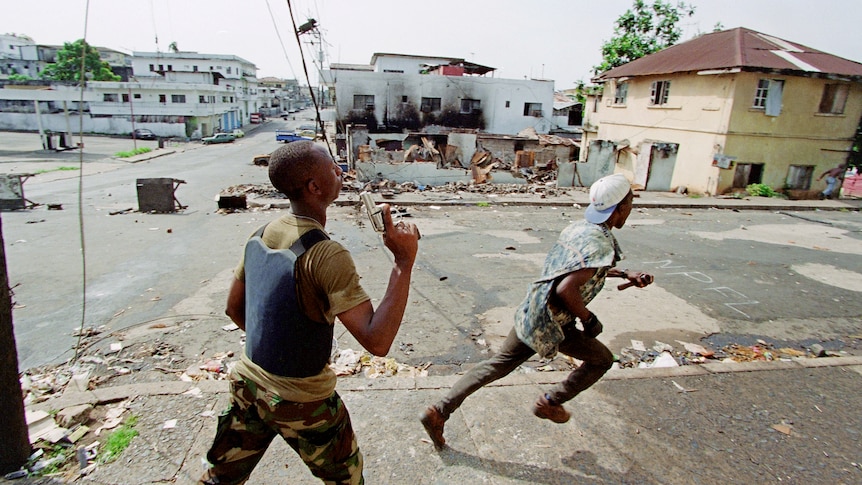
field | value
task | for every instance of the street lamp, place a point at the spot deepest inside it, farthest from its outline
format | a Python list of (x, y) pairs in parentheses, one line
[(306, 27)]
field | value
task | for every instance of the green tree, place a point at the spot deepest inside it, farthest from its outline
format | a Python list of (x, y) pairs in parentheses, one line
[(642, 30), (68, 64)]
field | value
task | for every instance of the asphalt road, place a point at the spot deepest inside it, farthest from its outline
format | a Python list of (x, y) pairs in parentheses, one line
[(719, 273)]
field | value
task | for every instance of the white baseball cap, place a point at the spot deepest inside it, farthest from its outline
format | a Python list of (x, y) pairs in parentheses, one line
[(605, 194)]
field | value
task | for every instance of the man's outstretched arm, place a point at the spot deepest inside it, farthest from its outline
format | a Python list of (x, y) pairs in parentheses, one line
[(376, 329)]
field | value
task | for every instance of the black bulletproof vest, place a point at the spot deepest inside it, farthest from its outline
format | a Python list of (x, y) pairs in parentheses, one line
[(280, 338)]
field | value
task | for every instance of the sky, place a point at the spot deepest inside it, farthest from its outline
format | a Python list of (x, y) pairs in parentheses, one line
[(546, 39)]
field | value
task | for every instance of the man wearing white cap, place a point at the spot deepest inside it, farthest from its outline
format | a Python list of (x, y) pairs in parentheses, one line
[(545, 323)]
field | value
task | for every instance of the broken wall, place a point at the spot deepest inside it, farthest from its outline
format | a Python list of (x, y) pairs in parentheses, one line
[(505, 149), (423, 172), (464, 147), (601, 161)]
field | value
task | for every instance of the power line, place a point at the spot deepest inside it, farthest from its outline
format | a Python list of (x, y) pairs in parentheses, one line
[(307, 78), (280, 41)]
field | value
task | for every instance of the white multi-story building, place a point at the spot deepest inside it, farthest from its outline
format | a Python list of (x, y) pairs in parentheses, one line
[(397, 91), (183, 94), (18, 55), (223, 89)]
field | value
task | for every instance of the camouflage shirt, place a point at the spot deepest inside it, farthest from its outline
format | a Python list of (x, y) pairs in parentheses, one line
[(581, 245)]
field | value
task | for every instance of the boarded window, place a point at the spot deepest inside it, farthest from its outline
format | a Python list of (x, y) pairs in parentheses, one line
[(773, 98), (659, 92), (799, 177), (834, 98)]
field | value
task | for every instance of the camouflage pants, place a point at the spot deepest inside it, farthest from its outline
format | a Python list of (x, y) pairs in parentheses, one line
[(319, 431)]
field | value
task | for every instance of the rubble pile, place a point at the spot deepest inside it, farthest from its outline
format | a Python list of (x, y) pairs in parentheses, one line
[(665, 355), (350, 362), (388, 189), (253, 190)]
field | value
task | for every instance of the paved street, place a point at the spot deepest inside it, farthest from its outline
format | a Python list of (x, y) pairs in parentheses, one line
[(788, 276)]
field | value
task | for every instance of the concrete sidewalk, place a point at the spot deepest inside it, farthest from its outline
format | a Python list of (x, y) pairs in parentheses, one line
[(795, 421), (579, 198)]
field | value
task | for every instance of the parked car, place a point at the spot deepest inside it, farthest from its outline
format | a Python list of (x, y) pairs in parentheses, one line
[(308, 131), (143, 134), (262, 160), (237, 133), (289, 136), (218, 138)]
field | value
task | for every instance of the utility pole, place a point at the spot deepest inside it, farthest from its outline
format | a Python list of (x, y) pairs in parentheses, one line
[(320, 70), (132, 111), (14, 439)]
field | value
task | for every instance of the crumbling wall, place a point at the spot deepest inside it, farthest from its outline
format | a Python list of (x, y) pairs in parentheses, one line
[(503, 149)]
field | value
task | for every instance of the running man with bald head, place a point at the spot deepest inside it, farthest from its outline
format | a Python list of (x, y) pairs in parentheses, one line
[(288, 289)]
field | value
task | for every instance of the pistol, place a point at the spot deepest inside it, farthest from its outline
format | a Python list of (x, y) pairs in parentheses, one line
[(375, 213)]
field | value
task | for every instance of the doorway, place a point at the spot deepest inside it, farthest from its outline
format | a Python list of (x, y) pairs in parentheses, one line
[(747, 174), (655, 165)]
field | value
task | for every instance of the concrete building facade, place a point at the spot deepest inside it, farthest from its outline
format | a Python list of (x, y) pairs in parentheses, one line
[(722, 111), (411, 92), (183, 94)]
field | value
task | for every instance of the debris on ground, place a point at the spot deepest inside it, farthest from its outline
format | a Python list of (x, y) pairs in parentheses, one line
[(106, 359), (387, 188), (666, 355), (351, 362)]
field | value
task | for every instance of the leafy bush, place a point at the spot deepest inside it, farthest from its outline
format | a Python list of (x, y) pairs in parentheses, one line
[(760, 190)]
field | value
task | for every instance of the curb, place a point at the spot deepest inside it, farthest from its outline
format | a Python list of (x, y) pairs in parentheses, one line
[(346, 200), (158, 152), (108, 395)]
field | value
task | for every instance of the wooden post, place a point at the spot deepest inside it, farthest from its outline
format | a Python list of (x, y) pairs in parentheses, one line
[(14, 440)]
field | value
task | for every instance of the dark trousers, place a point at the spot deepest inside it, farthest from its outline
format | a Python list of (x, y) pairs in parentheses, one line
[(597, 359)]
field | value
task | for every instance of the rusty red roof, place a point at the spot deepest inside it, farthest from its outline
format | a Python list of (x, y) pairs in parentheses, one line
[(738, 48)]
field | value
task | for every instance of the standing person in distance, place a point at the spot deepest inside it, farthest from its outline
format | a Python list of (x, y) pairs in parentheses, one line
[(834, 179), (291, 284), (574, 272)]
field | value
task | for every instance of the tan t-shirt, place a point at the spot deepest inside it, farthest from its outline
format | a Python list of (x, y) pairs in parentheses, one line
[(327, 284)]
